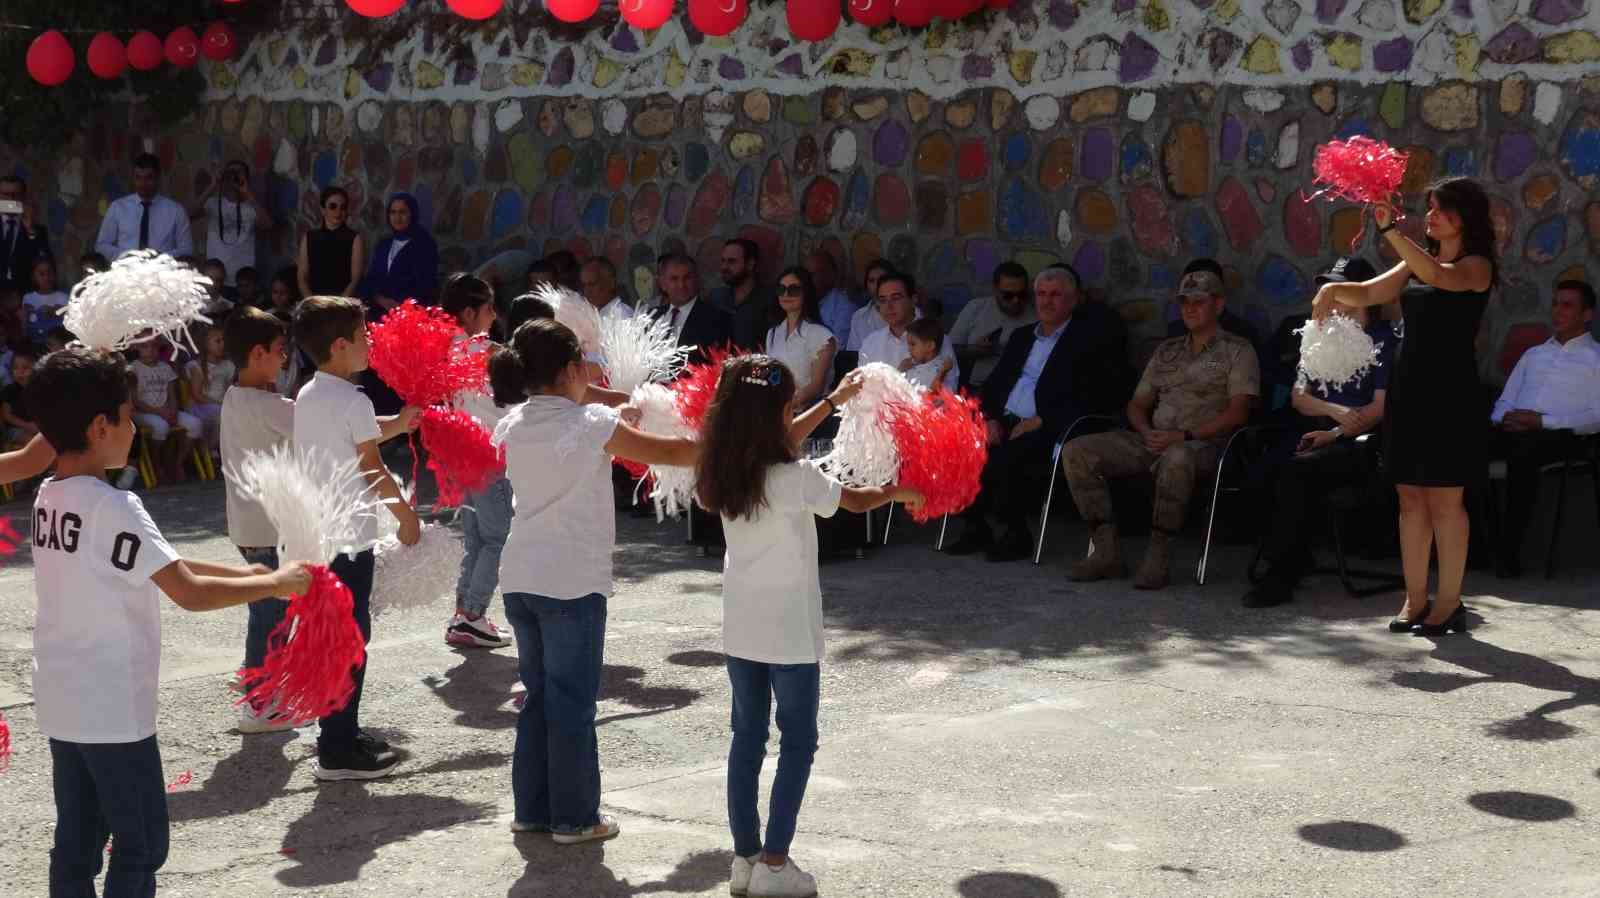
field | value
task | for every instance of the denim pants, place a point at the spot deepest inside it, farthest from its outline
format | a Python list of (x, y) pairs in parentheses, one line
[(485, 524), (338, 730), (555, 769), (265, 614), (797, 688), (107, 789)]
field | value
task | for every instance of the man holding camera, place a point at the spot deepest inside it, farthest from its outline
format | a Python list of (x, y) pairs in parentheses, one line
[(232, 215), (22, 241)]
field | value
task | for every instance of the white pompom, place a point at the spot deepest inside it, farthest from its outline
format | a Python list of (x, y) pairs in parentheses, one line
[(638, 350), (576, 313), (311, 500), (142, 296), (673, 489), (1335, 351), (864, 452), (409, 577)]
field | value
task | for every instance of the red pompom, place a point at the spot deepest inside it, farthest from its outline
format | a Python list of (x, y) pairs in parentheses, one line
[(415, 351), (311, 654), (461, 455), (1360, 169), (943, 445), (697, 385), (9, 537), (5, 743)]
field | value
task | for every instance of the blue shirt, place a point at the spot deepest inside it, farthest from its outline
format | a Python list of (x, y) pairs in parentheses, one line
[(837, 310), (1359, 392), (1021, 401), (169, 227)]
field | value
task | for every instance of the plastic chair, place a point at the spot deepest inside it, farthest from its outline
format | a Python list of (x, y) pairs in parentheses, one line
[(147, 469), (1055, 473), (1229, 452), (201, 456)]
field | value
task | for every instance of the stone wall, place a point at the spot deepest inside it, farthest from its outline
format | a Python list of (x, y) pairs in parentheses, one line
[(1125, 137)]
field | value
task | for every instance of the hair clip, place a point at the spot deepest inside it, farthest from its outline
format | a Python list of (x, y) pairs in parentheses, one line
[(768, 376)]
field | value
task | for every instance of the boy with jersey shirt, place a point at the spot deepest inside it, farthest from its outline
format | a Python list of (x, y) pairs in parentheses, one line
[(333, 417), (100, 566)]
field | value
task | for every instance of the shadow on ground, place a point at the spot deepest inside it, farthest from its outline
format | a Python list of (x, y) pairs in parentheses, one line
[(581, 870)]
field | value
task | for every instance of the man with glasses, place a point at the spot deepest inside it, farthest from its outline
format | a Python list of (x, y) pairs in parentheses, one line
[(897, 303), (985, 324), (145, 219), (1196, 391), (22, 242)]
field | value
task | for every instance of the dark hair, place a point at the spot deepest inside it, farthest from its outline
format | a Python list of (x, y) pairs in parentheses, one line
[(289, 278), (247, 328), (539, 351), (217, 262), (678, 259), (525, 308), (604, 264), (744, 435), (1467, 200), (14, 178), (27, 351), (751, 250), (542, 266), (147, 162), (882, 266), (248, 272), (907, 281), (564, 262), (1008, 270), (46, 259), (810, 305), (94, 261), (1584, 291), (928, 329), (330, 192), (463, 291), (319, 321), (1077, 281), (58, 333), (72, 387)]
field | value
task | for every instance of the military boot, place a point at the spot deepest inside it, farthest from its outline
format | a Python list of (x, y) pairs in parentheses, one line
[(1104, 560), (1152, 573)]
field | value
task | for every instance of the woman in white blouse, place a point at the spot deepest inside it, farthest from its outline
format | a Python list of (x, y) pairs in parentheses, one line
[(800, 340)]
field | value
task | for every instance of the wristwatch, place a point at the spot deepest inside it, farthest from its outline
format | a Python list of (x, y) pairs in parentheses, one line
[(1386, 230), (1337, 431)]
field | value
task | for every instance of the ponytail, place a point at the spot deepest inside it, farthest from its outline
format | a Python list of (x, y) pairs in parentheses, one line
[(539, 352)]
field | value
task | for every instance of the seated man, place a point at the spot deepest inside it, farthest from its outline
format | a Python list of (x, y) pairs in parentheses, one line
[(897, 303), (1319, 454), (1072, 363), (1553, 393), (1233, 324), (986, 324), (1196, 390)]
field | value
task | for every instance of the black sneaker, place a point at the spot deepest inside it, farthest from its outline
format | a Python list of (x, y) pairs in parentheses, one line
[(356, 764), (371, 742)]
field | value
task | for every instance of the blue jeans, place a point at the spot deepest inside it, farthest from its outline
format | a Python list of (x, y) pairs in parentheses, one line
[(555, 769), (339, 729), (109, 789), (485, 524), (265, 614), (798, 689)]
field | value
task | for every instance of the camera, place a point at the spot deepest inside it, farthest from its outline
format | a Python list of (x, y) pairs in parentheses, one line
[(10, 207)]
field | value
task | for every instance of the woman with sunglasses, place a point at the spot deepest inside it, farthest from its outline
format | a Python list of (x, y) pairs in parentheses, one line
[(233, 215), (801, 341), (332, 256)]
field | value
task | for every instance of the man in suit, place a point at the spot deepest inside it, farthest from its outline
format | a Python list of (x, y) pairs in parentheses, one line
[(698, 324), (22, 241), (1074, 362)]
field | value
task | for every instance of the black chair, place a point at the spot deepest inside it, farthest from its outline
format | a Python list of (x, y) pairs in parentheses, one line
[(1583, 457)]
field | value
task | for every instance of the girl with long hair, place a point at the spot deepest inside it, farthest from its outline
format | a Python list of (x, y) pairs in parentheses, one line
[(1437, 441)]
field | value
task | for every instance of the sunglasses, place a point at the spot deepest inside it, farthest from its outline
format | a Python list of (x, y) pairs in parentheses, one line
[(791, 290)]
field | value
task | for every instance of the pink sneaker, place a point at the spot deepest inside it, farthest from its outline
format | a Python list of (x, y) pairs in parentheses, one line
[(479, 634)]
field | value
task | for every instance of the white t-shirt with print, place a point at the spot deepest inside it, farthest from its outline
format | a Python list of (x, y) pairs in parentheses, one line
[(333, 416), (798, 351), (154, 381), (771, 592), (97, 639), (252, 421), (218, 380), (564, 525)]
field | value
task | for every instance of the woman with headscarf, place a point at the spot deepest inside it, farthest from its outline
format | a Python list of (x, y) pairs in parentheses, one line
[(405, 264)]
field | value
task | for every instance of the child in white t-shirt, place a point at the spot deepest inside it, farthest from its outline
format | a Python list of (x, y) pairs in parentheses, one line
[(254, 419), (209, 377), (41, 309), (750, 473), (333, 417), (100, 568), (924, 365), (156, 409)]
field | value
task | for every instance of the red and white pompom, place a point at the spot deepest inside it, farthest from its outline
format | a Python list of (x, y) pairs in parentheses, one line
[(143, 295), (311, 654), (943, 443), (1335, 351), (405, 578), (671, 488), (419, 352), (696, 389), (1361, 170), (638, 350), (864, 451), (5, 743), (461, 454), (578, 314)]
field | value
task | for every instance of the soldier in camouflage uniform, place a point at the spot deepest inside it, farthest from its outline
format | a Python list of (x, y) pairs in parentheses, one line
[(1196, 390)]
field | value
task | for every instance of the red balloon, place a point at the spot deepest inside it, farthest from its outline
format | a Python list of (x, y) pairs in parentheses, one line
[(812, 20), (572, 10), (475, 9), (717, 17), (871, 13), (106, 56), (182, 47), (646, 15), (144, 51), (218, 42), (915, 13), (50, 58), (375, 9)]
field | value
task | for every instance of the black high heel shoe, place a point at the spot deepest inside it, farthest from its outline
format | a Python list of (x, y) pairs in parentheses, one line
[(1455, 623), (1401, 625)]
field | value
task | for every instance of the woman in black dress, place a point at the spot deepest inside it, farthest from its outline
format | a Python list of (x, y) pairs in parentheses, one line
[(1437, 436), (332, 257)]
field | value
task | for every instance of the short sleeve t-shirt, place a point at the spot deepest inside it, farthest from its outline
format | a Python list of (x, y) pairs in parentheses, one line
[(154, 382), (252, 421), (41, 314), (563, 525), (771, 592), (97, 640), (333, 417), (218, 379), (1190, 388), (15, 397), (798, 350)]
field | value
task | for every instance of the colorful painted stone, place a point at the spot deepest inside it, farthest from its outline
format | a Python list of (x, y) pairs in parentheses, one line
[(1302, 225), (617, 215), (820, 201), (1281, 282), (1014, 152), (805, 156), (1540, 190), (1137, 61), (857, 200), (935, 152), (709, 203), (696, 161), (891, 200), (563, 211), (1515, 151), (1152, 222), (1186, 159), (890, 144), (744, 194), (1199, 235), (1580, 150), (776, 201), (1137, 164), (933, 205), (1450, 107), (1101, 102), (746, 144), (1231, 139), (1097, 154), (646, 208), (677, 205), (973, 213), (657, 118), (645, 164), (1055, 166), (1097, 214), (1239, 217), (1546, 240), (596, 213), (559, 162), (1345, 227), (474, 216), (1021, 212), (1090, 262)]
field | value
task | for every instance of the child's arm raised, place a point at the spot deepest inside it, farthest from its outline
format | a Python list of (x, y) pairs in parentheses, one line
[(29, 461), (649, 449), (391, 426), (593, 395), (193, 591), (380, 482), (863, 500), (803, 425)]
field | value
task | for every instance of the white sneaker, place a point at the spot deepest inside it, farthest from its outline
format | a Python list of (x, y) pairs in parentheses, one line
[(127, 478), (268, 721), (739, 877), (788, 881), (480, 633), (607, 828)]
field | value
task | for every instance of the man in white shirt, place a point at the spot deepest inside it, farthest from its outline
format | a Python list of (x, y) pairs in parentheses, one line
[(866, 319), (897, 297), (598, 278), (986, 323), (145, 219), (233, 214), (835, 306), (1553, 393)]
